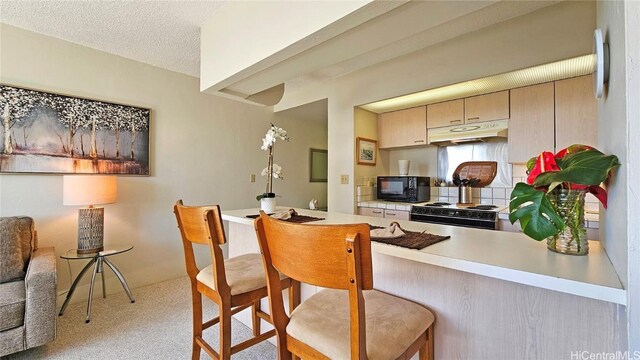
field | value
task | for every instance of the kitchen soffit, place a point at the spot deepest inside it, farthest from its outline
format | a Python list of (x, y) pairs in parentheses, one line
[(394, 34), (578, 66)]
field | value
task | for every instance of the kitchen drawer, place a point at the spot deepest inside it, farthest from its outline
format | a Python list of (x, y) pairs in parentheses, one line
[(396, 214), (373, 212)]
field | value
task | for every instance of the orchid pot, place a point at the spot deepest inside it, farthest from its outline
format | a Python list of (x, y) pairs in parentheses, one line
[(273, 170), (268, 204)]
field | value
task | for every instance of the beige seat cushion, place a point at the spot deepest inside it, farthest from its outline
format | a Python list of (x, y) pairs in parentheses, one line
[(244, 273), (392, 323)]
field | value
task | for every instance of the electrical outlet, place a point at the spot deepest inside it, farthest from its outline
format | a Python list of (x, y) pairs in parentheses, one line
[(344, 179), (252, 178)]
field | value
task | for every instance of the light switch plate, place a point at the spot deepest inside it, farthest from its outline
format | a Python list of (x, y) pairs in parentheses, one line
[(252, 178), (344, 179)]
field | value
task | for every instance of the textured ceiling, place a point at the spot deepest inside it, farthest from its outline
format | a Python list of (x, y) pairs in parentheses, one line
[(160, 33)]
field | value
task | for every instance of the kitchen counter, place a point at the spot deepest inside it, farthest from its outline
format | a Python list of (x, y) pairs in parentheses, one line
[(484, 287), (591, 219), (502, 255)]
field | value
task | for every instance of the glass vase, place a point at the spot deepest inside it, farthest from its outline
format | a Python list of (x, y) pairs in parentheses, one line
[(569, 205)]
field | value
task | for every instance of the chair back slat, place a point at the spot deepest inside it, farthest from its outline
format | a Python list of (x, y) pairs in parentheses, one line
[(194, 225), (316, 254)]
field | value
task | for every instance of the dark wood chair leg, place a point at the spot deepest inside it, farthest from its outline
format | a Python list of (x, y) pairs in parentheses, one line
[(197, 323), (427, 350), (225, 332), (254, 317), (294, 295)]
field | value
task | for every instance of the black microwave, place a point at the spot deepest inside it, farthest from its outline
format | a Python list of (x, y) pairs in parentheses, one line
[(404, 188)]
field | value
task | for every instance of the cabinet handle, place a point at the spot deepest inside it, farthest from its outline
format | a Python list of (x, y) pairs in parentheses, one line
[(455, 121), (418, 141), (377, 212), (392, 214), (474, 118)]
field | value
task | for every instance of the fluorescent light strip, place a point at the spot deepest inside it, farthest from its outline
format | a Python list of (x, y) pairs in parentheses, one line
[(564, 69)]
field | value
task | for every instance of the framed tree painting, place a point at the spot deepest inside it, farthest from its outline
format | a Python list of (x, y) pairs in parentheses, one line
[(366, 150), (43, 132)]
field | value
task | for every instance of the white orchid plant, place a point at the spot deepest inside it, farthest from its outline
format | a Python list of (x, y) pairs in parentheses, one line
[(272, 171)]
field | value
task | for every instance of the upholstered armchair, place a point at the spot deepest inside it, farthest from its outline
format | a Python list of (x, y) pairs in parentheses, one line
[(27, 287)]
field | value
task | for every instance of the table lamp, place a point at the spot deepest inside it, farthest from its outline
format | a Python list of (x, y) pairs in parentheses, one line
[(89, 190)]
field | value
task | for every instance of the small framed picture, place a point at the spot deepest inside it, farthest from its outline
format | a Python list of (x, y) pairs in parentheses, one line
[(366, 150)]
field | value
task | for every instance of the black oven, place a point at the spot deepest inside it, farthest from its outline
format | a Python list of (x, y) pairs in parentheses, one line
[(404, 188)]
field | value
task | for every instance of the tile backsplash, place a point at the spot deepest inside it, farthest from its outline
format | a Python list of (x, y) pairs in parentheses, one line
[(487, 196), (498, 196), (520, 175)]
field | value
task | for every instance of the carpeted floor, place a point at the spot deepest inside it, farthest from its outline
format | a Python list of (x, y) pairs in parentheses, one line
[(156, 326)]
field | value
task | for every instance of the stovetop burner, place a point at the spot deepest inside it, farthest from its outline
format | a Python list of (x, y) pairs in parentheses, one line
[(482, 207), (479, 216), (438, 204)]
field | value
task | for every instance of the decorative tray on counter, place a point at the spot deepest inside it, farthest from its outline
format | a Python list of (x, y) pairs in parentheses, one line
[(485, 171)]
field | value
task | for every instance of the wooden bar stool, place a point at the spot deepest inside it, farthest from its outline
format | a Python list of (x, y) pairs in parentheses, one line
[(234, 284), (349, 320)]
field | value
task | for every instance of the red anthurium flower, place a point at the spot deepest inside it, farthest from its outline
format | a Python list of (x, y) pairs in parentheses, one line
[(572, 149), (545, 162), (600, 194)]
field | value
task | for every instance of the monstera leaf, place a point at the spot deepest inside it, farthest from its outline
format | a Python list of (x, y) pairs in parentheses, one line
[(537, 216), (589, 167)]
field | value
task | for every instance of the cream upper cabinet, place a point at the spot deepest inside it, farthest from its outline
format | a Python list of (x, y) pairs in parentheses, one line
[(531, 127), (402, 128), (576, 112), (445, 114), (494, 106)]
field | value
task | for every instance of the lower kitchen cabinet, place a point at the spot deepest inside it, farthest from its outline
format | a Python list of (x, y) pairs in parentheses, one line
[(505, 225), (396, 214), (384, 213), (373, 212)]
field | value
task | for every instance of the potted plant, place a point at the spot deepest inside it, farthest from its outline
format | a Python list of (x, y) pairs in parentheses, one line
[(272, 171), (551, 204)]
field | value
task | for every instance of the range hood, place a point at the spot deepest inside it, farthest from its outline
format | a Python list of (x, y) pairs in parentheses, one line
[(467, 133)]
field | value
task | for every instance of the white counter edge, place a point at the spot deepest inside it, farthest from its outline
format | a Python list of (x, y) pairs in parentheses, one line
[(583, 289), (592, 291)]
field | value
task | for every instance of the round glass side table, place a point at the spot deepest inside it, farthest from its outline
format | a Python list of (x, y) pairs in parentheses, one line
[(98, 260)]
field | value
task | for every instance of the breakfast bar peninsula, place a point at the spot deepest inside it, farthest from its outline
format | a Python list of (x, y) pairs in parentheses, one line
[(495, 295)]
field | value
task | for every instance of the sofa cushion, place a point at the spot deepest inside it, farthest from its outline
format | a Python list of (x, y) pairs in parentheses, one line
[(12, 302), (16, 237)]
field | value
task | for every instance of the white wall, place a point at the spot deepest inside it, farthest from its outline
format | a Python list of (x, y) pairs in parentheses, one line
[(619, 134), (203, 149), (366, 126), (296, 190), (557, 32), (222, 55), (632, 24)]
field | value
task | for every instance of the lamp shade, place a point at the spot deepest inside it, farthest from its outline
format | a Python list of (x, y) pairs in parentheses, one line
[(83, 190)]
